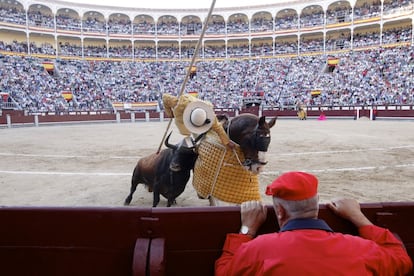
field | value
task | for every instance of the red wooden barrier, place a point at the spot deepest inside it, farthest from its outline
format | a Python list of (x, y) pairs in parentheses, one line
[(18, 117), (145, 241)]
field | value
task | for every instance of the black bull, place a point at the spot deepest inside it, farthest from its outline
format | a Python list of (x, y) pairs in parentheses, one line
[(165, 173)]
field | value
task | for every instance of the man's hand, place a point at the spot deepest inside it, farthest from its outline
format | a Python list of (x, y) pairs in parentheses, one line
[(349, 209), (253, 214)]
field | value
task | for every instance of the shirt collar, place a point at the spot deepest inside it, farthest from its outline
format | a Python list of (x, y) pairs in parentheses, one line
[(306, 223)]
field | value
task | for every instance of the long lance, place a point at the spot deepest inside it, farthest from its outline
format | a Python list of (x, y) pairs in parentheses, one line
[(200, 40)]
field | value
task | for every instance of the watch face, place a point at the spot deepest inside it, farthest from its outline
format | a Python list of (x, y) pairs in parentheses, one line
[(244, 229)]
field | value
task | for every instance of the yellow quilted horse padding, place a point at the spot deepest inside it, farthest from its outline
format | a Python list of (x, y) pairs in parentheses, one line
[(218, 172)]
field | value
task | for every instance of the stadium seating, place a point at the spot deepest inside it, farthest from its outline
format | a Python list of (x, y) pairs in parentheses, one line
[(280, 50)]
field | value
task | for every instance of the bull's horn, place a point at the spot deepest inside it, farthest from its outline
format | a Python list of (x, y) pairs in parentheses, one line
[(167, 143)]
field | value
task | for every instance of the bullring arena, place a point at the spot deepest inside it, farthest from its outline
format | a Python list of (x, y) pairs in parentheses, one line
[(325, 55), (84, 58), (81, 89), (91, 164)]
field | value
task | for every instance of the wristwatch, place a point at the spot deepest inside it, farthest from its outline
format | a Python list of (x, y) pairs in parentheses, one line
[(244, 230)]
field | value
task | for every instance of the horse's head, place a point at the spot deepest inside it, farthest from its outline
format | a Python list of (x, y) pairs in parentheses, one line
[(223, 119), (253, 135)]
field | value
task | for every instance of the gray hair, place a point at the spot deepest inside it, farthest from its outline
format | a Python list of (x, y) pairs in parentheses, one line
[(307, 208)]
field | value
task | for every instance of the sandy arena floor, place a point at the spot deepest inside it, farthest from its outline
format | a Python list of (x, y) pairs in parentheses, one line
[(91, 164)]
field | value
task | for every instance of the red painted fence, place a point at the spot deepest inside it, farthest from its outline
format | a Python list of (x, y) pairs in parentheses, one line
[(19, 117), (145, 241)]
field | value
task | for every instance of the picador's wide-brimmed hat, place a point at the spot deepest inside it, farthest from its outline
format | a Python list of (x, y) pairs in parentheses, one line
[(198, 117)]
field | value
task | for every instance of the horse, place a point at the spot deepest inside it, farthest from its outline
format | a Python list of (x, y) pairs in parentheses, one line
[(232, 175), (253, 135)]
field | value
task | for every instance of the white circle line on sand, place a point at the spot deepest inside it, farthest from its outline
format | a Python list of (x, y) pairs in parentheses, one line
[(345, 151), (64, 156), (344, 169), (263, 173), (66, 173), (137, 157)]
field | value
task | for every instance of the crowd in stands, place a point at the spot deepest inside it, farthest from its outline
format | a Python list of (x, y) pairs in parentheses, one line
[(380, 76), (95, 22), (241, 49), (119, 26), (66, 22), (13, 15), (94, 25), (39, 19)]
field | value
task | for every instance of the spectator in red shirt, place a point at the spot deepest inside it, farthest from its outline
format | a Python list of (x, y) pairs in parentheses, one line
[(306, 245)]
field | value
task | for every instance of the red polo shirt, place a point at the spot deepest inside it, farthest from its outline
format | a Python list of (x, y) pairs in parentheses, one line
[(315, 250)]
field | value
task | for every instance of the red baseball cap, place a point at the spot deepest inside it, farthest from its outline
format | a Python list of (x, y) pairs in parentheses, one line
[(293, 186)]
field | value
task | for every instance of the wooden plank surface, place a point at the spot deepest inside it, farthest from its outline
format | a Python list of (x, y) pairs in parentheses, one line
[(145, 241)]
